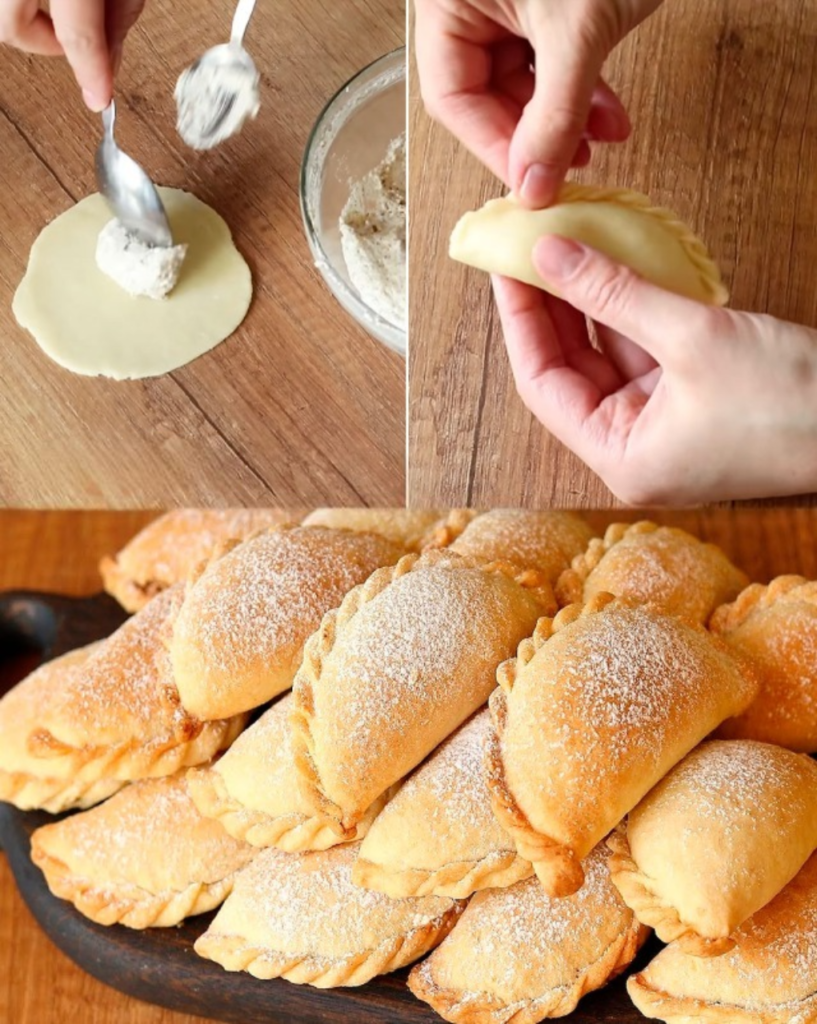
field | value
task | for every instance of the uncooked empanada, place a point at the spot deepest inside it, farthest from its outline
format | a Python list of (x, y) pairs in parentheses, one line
[(167, 550), (769, 977), (407, 657), (117, 715), (300, 917), (22, 781), (518, 955), (253, 790), (408, 527), (439, 835), (596, 708), (625, 225), (666, 568), (776, 626), (716, 839), (239, 635), (145, 858), (547, 541)]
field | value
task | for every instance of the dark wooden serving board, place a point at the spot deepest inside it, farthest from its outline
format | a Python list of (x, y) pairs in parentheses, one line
[(158, 965)]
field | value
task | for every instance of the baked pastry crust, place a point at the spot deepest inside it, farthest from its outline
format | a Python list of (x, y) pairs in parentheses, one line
[(715, 840), (596, 707), (407, 657), (768, 977), (238, 636), (300, 917), (499, 238), (517, 955), (409, 528), (167, 550), (438, 835), (118, 715), (253, 790), (22, 782), (661, 566), (776, 626), (145, 858), (547, 540)]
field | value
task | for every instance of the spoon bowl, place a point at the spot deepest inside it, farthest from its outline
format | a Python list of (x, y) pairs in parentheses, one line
[(129, 191)]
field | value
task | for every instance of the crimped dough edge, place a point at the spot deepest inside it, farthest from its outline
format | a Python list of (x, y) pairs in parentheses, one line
[(232, 952), (684, 1009), (757, 597), (30, 792), (457, 879), (133, 907), (462, 1007), (320, 646), (637, 891)]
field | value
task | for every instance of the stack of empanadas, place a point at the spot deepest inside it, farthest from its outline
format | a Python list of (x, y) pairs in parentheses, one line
[(498, 742)]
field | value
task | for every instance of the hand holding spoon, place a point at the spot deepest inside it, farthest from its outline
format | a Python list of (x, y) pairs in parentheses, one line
[(216, 94)]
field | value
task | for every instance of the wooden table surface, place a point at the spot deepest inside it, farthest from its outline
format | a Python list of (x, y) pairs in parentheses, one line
[(723, 100), (300, 406), (59, 552)]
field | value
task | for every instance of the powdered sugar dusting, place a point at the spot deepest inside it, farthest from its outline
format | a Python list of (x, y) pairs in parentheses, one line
[(307, 904)]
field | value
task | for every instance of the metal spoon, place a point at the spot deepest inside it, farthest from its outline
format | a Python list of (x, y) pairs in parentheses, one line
[(130, 193), (217, 93)]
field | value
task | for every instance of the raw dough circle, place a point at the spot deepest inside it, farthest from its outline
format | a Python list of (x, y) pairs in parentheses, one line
[(87, 323)]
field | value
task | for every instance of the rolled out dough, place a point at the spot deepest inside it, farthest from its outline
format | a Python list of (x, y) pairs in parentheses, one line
[(88, 324), (499, 238)]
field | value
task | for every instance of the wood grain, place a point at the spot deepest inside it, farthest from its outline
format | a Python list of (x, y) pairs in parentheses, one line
[(300, 405), (59, 551), (722, 95)]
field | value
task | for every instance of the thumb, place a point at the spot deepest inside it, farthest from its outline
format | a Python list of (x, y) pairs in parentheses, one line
[(550, 129), (611, 293)]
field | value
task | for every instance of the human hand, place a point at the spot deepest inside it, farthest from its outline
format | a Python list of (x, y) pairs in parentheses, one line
[(683, 403), (89, 33), (475, 62)]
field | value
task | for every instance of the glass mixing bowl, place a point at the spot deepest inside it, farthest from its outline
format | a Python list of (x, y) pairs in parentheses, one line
[(349, 139)]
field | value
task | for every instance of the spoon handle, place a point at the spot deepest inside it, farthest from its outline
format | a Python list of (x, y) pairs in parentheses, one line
[(109, 119), (241, 19)]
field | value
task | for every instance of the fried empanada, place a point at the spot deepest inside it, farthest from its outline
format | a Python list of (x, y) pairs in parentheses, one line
[(239, 634), (599, 704), (300, 917), (407, 527), (715, 840), (145, 858)]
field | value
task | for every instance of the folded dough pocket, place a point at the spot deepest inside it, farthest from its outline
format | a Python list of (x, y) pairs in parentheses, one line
[(500, 238)]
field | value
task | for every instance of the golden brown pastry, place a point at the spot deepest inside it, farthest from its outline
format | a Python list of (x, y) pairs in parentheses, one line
[(666, 568), (239, 635), (167, 550), (715, 840), (300, 917), (776, 626), (518, 955), (768, 977), (22, 781), (439, 835), (547, 541), (253, 789), (596, 708), (407, 527), (117, 715), (145, 858), (406, 659)]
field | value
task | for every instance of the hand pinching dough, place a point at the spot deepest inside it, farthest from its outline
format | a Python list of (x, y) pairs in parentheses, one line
[(624, 225), (89, 324)]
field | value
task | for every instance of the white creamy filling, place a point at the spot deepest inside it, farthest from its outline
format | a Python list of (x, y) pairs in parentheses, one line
[(373, 235), (213, 100), (138, 268)]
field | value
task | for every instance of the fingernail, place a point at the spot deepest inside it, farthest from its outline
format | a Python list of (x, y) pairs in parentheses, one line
[(538, 185), (94, 101), (556, 257)]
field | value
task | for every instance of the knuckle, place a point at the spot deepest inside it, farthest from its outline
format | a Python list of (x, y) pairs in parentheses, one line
[(563, 122), (610, 288), (78, 41)]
